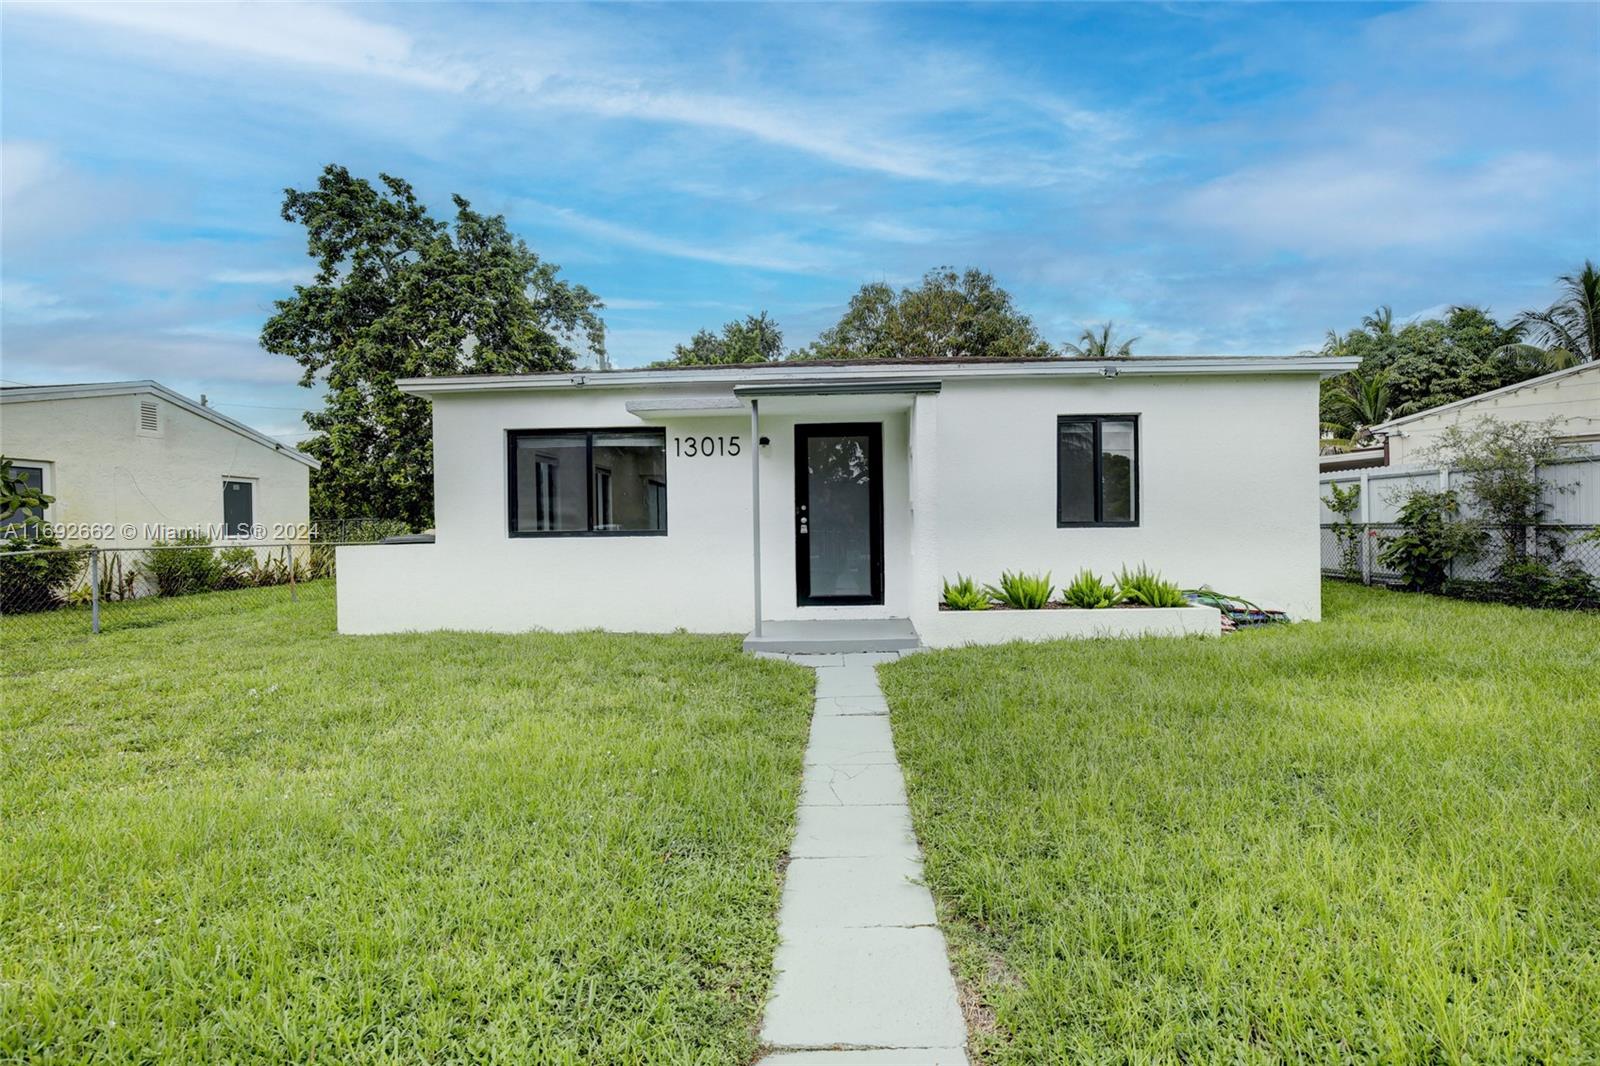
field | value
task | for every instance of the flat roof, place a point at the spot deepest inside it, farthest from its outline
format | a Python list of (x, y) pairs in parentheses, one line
[(884, 374), (37, 393)]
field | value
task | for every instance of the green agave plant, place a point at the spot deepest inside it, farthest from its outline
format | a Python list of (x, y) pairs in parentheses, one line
[(1149, 589), (1089, 591), (1025, 592), (964, 595)]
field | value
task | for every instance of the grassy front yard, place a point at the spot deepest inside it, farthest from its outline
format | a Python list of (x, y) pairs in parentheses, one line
[(237, 837), (1374, 839)]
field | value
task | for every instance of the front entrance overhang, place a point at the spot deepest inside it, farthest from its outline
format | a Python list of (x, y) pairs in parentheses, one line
[(832, 401)]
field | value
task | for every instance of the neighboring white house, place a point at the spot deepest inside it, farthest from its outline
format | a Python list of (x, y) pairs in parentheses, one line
[(128, 461), (624, 500), (1571, 395)]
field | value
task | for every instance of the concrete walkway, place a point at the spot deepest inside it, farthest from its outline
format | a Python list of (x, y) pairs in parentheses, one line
[(862, 974)]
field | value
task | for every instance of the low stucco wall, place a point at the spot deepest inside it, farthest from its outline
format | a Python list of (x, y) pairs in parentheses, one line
[(952, 629), (630, 585)]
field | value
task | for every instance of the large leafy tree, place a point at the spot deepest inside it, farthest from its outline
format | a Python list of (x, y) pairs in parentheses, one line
[(752, 339), (945, 316), (1427, 363), (1569, 329), (400, 294)]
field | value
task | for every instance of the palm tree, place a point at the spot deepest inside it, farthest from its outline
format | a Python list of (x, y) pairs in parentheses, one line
[(1092, 345), (1569, 330), (1380, 322), (1357, 403)]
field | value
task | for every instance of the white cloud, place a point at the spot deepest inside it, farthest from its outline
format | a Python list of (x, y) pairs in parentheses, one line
[(904, 125), (22, 302), (1358, 200), (312, 35), (774, 253)]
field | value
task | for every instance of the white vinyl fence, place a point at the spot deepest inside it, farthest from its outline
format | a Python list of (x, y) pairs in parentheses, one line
[(1571, 500)]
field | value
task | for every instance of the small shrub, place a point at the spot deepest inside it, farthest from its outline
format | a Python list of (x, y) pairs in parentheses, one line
[(1089, 591), (235, 567), (35, 578), (965, 595), (1025, 592), (1534, 583), (183, 565), (1432, 537), (1345, 503), (1147, 588)]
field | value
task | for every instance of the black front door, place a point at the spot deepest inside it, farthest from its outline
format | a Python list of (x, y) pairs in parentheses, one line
[(838, 513)]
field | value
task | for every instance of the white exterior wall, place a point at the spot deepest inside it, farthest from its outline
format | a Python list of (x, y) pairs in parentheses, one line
[(969, 486), (106, 475), (476, 576), (1227, 472)]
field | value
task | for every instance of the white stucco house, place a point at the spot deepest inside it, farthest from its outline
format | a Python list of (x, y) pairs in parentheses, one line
[(763, 498), (128, 462)]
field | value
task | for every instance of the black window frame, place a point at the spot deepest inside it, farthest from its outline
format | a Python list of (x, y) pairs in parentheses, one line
[(588, 433), (1098, 422)]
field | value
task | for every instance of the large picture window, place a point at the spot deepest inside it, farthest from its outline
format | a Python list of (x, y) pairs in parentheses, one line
[(579, 482), (1097, 470)]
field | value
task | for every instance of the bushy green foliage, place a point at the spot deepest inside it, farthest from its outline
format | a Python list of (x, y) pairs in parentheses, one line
[(1087, 590), (399, 293), (1024, 592), (963, 594), (754, 339), (182, 565), (1423, 364), (947, 316), (1531, 582), (17, 495), (242, 567), (1499, 461), (1147, 588), (1433, 536), (33, 576)]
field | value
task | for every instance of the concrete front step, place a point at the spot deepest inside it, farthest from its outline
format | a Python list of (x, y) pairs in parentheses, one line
[(826, 636)]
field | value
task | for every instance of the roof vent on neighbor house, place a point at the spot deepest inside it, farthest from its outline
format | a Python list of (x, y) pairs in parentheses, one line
[(149, 418)]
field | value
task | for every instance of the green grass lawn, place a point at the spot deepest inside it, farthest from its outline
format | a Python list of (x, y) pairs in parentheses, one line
[(237, 836), (1373, 839)]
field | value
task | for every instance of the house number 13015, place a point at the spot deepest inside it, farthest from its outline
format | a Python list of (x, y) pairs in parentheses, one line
[(692, 447)]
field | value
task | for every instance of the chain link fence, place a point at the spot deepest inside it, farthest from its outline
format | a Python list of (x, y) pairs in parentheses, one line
[(1353, 551), (54, 593), (50, 593)]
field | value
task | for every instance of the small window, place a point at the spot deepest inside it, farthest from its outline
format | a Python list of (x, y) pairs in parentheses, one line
[(32, 477), (1097, 470), (238, 508), (149, 417), (580, 481)]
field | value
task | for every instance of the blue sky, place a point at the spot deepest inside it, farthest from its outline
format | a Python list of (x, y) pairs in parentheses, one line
[(1220, 179)]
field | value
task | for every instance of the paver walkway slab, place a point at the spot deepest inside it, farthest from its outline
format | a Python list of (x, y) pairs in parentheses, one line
[(863, 978)]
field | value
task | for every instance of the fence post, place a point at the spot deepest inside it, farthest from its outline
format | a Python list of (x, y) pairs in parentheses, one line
[(1366, 528), (294, 596), (94, 590)]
